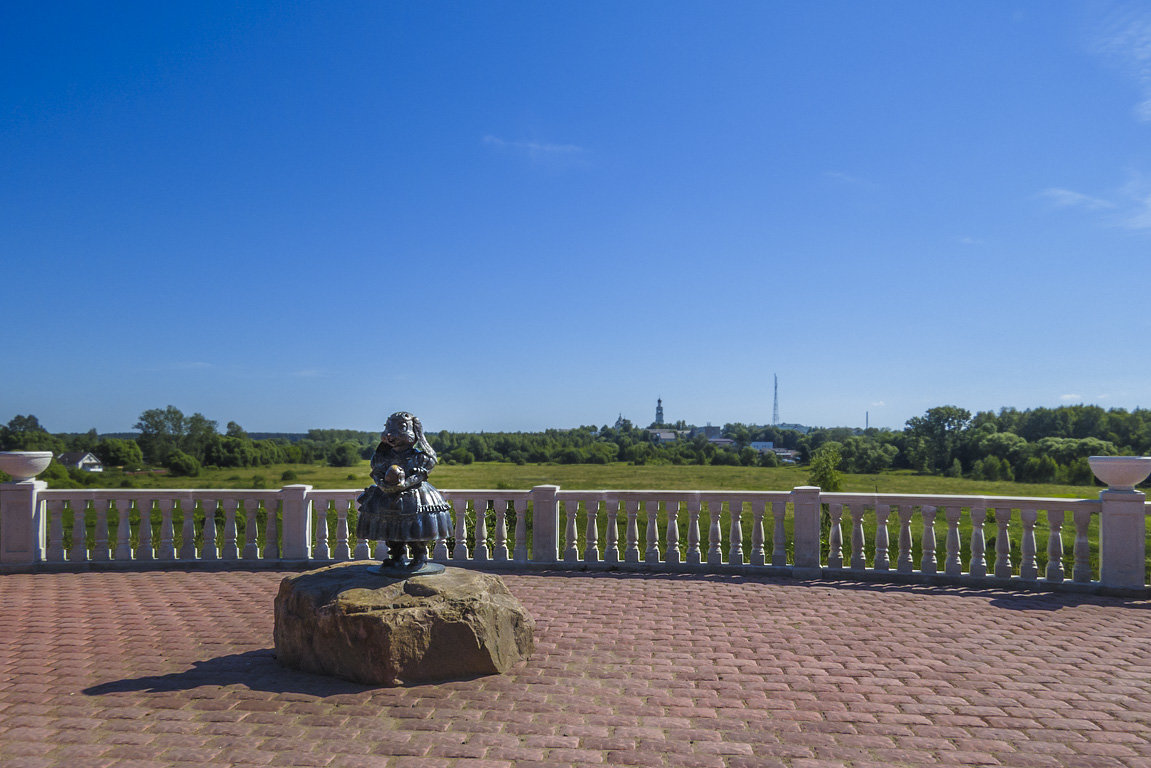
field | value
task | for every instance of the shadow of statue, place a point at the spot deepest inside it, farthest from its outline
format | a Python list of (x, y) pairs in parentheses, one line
[(256, 670)]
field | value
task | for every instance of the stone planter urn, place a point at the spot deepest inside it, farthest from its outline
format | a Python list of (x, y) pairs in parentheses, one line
[(24, 465), (1121, 473)]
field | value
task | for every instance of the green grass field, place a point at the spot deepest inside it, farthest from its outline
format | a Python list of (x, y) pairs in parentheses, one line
[(597, 476)]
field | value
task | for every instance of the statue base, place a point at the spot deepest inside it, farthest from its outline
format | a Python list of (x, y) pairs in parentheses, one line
[(353, 621), (397, 572)]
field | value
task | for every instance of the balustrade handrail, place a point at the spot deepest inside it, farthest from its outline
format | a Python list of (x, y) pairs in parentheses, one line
[(804, 532)]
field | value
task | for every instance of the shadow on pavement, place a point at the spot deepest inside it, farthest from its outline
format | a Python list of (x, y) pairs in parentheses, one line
[(257, 670)]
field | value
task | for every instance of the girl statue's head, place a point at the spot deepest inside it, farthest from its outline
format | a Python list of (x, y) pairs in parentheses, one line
[(403, 430)]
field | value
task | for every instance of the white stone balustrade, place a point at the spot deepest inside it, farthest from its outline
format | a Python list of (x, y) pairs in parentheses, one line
[(804, 532)]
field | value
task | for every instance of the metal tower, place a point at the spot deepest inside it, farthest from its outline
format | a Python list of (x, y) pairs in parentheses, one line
[(775, 403)]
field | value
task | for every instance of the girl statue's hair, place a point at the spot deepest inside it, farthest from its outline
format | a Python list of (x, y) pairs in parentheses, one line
[(422, 444)]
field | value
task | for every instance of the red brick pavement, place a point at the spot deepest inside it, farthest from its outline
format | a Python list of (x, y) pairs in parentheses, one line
[(174, 668)]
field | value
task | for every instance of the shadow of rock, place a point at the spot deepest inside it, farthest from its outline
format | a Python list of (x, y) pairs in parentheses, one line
[(257, 670)]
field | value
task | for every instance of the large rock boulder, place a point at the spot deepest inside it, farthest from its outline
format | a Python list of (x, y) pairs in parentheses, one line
[(347, 621)]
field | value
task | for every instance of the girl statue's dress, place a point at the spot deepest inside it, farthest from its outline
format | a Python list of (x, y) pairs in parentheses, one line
[(403, 507)]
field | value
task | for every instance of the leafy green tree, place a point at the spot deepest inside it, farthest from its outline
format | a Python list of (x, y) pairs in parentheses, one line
[(345, 454), (940, 429), (119, 453), (181, 464), (24, 433), (824, 469), (161, 431)]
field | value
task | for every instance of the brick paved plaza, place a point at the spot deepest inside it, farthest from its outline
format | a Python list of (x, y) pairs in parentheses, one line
[(174, 668)]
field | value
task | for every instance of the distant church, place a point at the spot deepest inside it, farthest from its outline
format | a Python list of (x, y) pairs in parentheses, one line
[(659, 410)]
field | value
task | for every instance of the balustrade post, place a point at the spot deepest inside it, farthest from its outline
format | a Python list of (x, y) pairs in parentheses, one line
[(927, 562), (545, 524), (671, 552), (858, 537), (651, 510), (591, 531), (1003, 567), (953, 566), (297, 521), (835, 537), (978, 566), (1028, 569), (123, 529), (735, 535), (805, 502), (1054, 570), (694, 556), (611, 545), (882, 559), (1122, 539), (778, 533), (631, 552), (758, 556), (22, 529)]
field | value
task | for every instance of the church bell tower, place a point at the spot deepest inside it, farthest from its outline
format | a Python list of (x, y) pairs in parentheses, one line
[(659, 410)]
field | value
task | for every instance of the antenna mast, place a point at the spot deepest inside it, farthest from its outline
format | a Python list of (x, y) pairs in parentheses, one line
[(775, 403)]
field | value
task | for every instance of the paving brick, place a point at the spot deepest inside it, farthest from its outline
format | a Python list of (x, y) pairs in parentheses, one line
[(629, 670)]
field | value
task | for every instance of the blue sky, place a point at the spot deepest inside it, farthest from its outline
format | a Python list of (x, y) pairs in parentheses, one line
[(510, 216)]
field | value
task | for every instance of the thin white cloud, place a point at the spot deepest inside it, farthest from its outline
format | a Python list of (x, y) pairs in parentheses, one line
[(1124, 40), (970, 241), (878, 404), (535, 150), (1128, 207), (1066, 198), (1071, 398)]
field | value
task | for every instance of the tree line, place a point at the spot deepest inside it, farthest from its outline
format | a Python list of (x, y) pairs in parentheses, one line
[(1034, 445)]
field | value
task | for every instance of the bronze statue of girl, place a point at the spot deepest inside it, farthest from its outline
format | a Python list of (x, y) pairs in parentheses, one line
[(403, 508)]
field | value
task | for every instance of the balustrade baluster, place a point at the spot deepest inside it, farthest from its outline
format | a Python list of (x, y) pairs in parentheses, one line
[(758, 556), (671, 553), (123, 529), (144, 547), (1028, 569), (209, 551), (953, 565), (651, 511), (927, 562), (1003, 567), (835, 537), (714, 553), (271, 530), (100, 550), (571, 552), (882, 561), (858, 538), (904, 563), (481, 553), (779, 533), (500, 549), (631, 553), (343, 551), (439, 548), (364, 550), (693, 553), (167, 549), (1081, 571), (251, 528), (520, 553), (55, 552), (735, 537), (978, 567), (611, 546), (188, 529), (460, 509), (230, 549), (320, 549), (1054, 571), (79, 553), (591, 531)]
